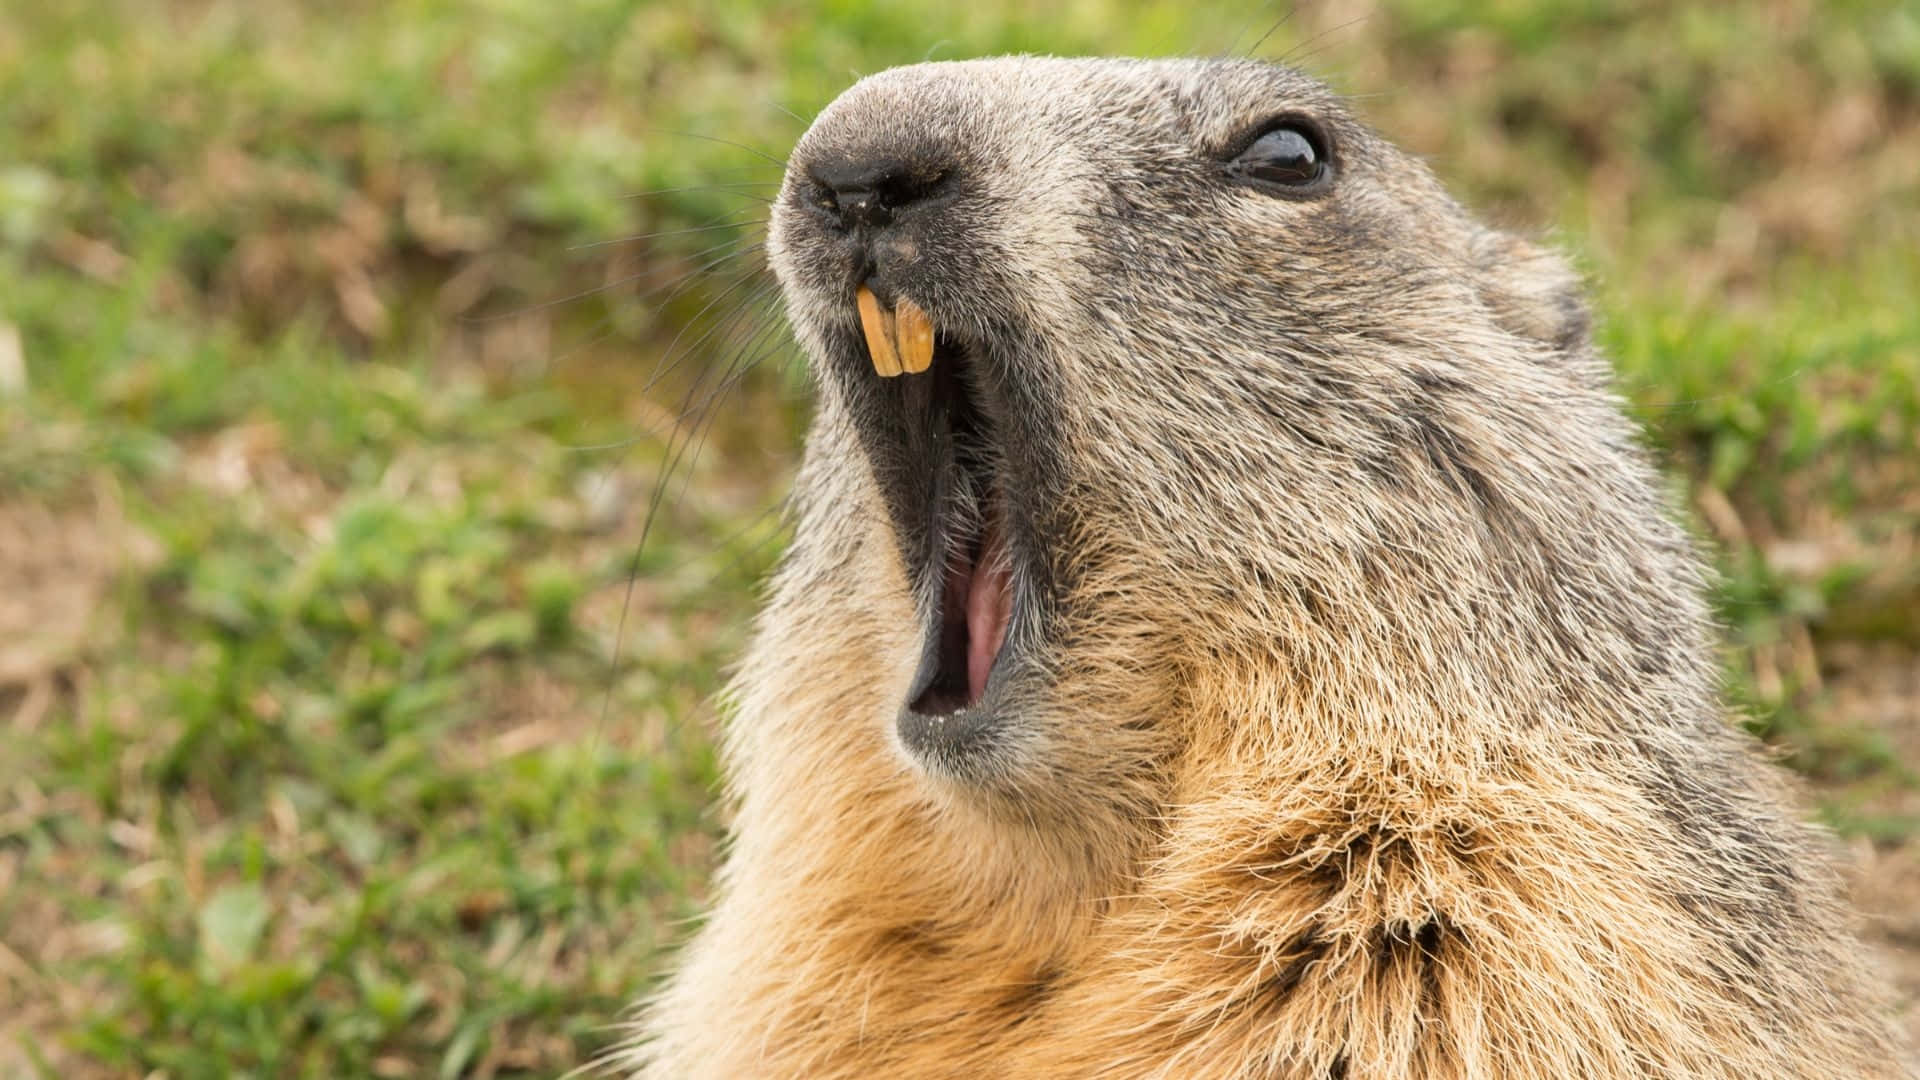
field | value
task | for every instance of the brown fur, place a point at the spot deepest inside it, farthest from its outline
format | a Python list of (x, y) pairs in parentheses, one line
[(1372, 727)]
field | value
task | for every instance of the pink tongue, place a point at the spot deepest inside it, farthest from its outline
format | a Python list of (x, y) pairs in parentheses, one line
[(989, 605)]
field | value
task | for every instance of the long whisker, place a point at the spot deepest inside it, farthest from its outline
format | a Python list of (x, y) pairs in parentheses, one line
[(603, 328), (676, 455), (730, 249), (722, 189), (1307, 50), (752, 352), (782, 162), (671, 359), (801, 120), (637, 237), (777, 511), (1262, 40)]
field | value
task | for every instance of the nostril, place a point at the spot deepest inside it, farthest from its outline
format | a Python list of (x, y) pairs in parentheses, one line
[(869, 192), (905, 189)]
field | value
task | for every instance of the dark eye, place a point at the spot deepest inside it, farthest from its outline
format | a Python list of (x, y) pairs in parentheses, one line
[(1291, 155)]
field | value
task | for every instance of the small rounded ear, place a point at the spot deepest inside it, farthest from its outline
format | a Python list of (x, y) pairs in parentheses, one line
[(1531, 291)]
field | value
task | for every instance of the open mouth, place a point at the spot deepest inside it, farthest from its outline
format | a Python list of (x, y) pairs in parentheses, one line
[(975, 599), (967, 576)]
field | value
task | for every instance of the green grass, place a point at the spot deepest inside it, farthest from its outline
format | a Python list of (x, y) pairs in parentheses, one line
[(346, 727)]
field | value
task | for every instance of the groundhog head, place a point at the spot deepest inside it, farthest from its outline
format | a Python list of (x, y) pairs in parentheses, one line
[(1165, 371)]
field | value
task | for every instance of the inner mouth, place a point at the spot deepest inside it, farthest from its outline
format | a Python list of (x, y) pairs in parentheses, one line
[(969, 567)]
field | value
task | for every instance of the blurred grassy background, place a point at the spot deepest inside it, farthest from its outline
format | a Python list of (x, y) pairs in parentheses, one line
[(347, 729)]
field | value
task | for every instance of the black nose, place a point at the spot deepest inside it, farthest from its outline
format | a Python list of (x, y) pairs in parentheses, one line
[(868, 193)]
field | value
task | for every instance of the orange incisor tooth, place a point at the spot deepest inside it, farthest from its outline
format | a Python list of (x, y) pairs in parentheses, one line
[(913, 336), (899, 341), (878, 326)]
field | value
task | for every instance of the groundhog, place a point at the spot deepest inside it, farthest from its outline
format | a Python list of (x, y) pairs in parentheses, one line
[(1231, 629)]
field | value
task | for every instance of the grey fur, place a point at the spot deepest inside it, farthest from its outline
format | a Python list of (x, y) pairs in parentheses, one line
[(1366, 722)]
